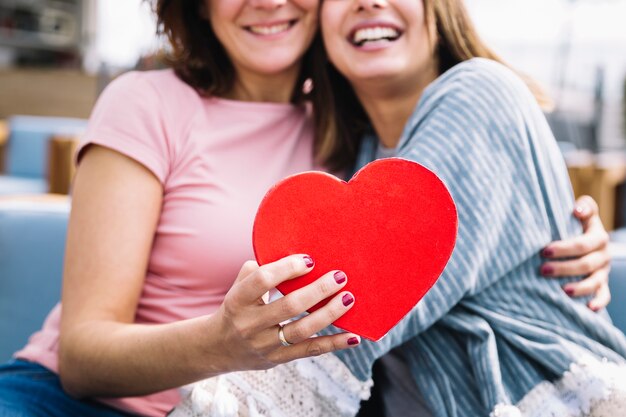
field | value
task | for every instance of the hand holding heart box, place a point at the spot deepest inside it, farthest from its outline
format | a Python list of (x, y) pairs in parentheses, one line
[(391, 229)]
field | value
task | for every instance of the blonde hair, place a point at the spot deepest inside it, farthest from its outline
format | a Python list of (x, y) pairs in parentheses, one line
[(342, 122)]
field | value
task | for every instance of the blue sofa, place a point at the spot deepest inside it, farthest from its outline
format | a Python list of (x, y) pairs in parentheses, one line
[(32, 242), (27, 151)]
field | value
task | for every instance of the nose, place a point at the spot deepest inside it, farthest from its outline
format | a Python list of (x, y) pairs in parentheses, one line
[(370, 4), (267, 4)]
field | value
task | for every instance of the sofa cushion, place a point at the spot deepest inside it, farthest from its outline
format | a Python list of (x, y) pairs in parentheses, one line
[(32, 243), (22, 185), (27, 147)]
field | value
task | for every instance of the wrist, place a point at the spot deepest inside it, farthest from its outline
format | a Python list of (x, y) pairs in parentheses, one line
[(212, 350)]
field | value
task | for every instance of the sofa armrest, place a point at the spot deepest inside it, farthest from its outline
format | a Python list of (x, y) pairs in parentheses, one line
[(4, 137), (61, 163)]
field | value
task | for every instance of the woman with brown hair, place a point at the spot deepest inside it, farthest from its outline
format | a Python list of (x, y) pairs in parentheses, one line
[(170, 173)]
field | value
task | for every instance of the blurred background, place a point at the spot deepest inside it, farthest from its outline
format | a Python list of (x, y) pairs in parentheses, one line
[(57, 55), (576, 49)]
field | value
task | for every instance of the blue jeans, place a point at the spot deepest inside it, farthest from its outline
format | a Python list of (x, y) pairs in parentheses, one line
[(30, 390)]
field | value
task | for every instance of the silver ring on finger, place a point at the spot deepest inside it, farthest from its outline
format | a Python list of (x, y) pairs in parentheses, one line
[(281, 336)]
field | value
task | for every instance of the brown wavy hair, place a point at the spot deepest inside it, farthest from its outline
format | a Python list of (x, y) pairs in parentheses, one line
[(456, 40), (199, 59)]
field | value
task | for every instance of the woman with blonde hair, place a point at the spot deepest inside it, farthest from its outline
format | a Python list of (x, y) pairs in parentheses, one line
[(494, 337)]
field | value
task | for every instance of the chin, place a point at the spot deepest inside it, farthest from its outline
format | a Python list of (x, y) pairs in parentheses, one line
[(374, 70), (269, 64), (375, 75), (271, 69)]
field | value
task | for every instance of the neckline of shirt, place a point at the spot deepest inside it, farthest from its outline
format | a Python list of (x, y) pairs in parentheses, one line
[(256, 105)]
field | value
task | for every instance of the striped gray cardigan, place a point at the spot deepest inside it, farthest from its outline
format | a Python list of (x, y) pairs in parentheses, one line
[(492, 329)]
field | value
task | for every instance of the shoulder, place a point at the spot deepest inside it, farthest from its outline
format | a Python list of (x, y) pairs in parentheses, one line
[(479, 102), (479, 93), (478, 73), (149, 97), (480, 81), (160, 85), (143, 115), (481, 68)]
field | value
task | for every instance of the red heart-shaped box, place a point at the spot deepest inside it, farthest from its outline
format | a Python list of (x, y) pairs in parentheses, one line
[(391, 229)]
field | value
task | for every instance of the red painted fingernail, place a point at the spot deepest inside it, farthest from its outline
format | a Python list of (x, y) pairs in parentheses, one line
[(547, 270), (340, 277), (569, 291), (347, 299), (353, 341), (308, 261), (547, 252)]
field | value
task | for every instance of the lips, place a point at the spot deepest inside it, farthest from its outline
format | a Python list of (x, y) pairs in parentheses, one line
[(374, 32), (272, 28)]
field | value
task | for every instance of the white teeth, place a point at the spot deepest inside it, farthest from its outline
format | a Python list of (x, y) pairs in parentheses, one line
[(374, 34), (269, 30)]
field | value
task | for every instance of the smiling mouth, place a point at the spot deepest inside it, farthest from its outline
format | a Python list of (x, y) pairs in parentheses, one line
[(266, 30), (366, 35)]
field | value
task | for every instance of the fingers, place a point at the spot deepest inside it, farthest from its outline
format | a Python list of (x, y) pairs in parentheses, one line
[(602, 298), (316, 346), (585, 265), (594, 238), (247, 268), (585, 208), (264, 278), (590, 251), (590, 285), (306, 297), (297, 339), (302, 329)]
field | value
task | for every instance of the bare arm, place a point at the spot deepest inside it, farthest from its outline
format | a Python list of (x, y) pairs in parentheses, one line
[(116, 206)]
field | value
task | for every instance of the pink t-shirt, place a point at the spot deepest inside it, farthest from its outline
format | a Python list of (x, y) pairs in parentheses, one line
[(215, 158)]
